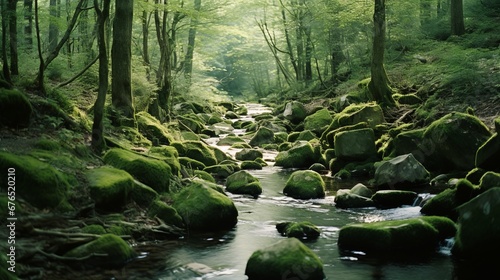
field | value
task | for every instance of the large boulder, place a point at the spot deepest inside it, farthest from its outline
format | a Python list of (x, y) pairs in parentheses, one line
[(152, 172), (204, 208), (295, 112), (37, 182), (305, 184), (109, 187), (403, 171), (165, 212), (169, 155), (196, 150), (263, 136), (393, 198), (300, 155), (230, 140), (488, 155), (300, 230), (411, 236), (153, 129), (355, 145), (15, 109), (116, 251), (248, 154), (479, 227), (318, 121), (243, 182), (287, 259), (489, 180), (358, 196)]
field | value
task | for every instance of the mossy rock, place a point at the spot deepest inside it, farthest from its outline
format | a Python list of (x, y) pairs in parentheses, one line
[(251, 164), (117, 251), (152, 172), (155, 131), (403, 171), (487, 156), (346, 199), (305, 135), (300, 155), (295, 112), (191, 163), (263, 136), (191, 123), (188, 135), (412, 236), (489, 180), (305, 184), (166, 213), (142, 194), (318, 122), (94, 229), (15, 109), (203, 208), (393, 198), (37, 182), (109, 187), (196, 150), (299, 230), (243, 182), (356, 144), (474, 176), (204, 175), (287, 258), (220, 170), (169, 155), (407, 99), (230, 140), (248, 154)]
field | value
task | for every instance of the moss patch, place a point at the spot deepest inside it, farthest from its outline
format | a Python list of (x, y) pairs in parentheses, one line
[(15, 109), (109, 187)]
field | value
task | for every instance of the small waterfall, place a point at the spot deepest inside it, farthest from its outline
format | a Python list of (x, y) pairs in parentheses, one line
[(421, 199), (446, 246)]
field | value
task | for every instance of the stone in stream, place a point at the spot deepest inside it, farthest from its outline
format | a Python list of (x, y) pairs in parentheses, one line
[(401, 172), (488, 155), (305, 184), (300, 155), (318, 121), (243, 182), (386, 199), (196, 150), (287, 259), (166, 213), (301, 230), (263, 136), (295, 112), (248, 154), (357, 197)]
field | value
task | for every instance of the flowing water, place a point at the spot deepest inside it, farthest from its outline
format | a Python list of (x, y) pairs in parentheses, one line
[(224, 255)]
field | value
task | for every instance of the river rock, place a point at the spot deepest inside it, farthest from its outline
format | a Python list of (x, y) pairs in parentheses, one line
[(220, 170), (358, 196), (403, 171), (166, 213), (300, 155), (15, 109), (153, 129), (230, 140), (142, 194), (190, 123), (248, 154), (37, 182), (287, 259), (152, 172), (169, 155), (411, 236), (295, 112), (355, 145), (117, 252), (305, 184), (196, 150), (488, 155), (109, 187), (479, 227), (489, 180), (318, 121), (305, 135), (203, 208), (243, 182), (386, 199), (251, 164), (263, 136), (300, 230)]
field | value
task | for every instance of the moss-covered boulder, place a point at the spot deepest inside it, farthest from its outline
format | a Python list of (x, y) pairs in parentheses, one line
[(305, 184), (203, 208), (37, 182), (479, 227), (263, 136), (191, 123), (299, 230), (251, 164), (153, 129), (243, 182), (15, 109), (318, 122), (152, 172), (403, 172), (393, 198), (358, 196), (295, 112), (407, 99), (488, 155), (114, 250), (220, 170), (169, 155), (196, 150), (230, 140), (355, 145), (166, 213), (411, 236), (286, 259), (248, 154), (300, 155), (94, 229), (109, 187), (305, 135), (489, 180)]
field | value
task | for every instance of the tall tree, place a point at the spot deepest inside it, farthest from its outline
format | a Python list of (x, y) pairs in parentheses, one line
[(379, 83), (28, 27), (14, 60), (53, 29), (39, 82), (121, 62), (457, 17), (98, 142), (5, 60), (164, 73), (188, 59)]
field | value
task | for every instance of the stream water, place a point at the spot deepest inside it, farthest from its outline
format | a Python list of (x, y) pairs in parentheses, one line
[(225, 254)]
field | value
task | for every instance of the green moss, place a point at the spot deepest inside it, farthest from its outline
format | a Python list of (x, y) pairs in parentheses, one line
[(243, 182), (109, 187), (15, 109), (251, 164), (117, 250), (47, 144), (166, 213), (169, 155), (191, 163), (301, 230), (152, 172), (442, 204), (37, 182), (248, 154), (94, 229), (301, 154), (263, 136), (196, 150), (150, 127), (220, 170), (305, 184), (318, 121), (230, 141), (143, 194)]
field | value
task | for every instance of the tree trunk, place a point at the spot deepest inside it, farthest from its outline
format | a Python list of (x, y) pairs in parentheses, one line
[(98, 143), (53, 29), (5, 60), (457, 18), (121, 56), (164, 74), (145, 41), (188, 59), (14, 59), (28, 27), (379, 83), (39, 82)]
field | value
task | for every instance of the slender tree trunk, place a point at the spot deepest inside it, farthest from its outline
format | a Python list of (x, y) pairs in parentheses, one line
[(39, 82), (289, 42), (188, 59), (5, 59), (28, 27), (121, 56), (53, 29), (379, 83), (145, 40), (164, 74), (457, 18), (14, 58), (98, 143)]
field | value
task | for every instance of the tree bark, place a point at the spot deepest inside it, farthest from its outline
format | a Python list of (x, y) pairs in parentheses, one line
[(28, 27), (39, 82), (14, 58), (98, 143), (379, 83), (188, 59), (53, 29), (5, 59), (164, 74), (121, 57), (145, 40), (457, 18)]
